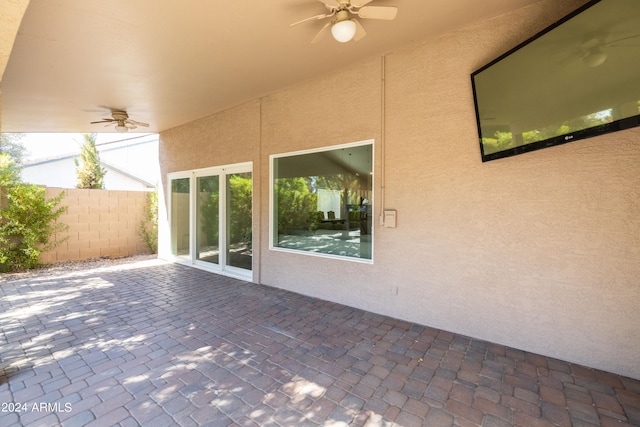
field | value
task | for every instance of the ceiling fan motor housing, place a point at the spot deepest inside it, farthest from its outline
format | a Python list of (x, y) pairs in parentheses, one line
[(119, 115)]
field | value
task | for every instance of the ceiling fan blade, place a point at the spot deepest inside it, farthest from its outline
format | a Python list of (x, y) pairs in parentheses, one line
[(360, 32), (320, 33), (321, 16), (130, 125), (138, 123), (331, 4), (613, 42), (102, 121), (623, 45), (378, 12), (360, 3)]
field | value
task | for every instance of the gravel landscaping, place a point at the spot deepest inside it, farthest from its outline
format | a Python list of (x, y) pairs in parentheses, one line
[(68, 266)]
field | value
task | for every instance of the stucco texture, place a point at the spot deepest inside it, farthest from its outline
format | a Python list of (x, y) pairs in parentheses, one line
[(538, 251)]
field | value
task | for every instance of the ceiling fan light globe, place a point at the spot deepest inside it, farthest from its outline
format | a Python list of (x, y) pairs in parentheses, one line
[(595, 58), (121, 128), (344, 31)]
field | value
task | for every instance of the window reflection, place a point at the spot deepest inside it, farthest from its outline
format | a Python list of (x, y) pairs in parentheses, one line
[(239, 207), (180, 217), (322, 201), (208, 205)]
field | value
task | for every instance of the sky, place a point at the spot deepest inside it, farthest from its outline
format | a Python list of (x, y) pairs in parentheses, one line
[(47, 145), (135, 153)]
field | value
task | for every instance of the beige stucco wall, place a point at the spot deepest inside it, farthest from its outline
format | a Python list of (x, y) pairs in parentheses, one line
[(102, 223), (226, 138), (10, 19), (538, 251)]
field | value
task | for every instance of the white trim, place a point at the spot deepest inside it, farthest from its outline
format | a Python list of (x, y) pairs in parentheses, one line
[(222, 172), (321, 149), (323, 255)]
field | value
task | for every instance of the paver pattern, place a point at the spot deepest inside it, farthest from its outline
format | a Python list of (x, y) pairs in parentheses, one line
[(159, 344)]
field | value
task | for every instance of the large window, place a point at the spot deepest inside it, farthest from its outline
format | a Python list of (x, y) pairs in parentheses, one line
[(322, 201)]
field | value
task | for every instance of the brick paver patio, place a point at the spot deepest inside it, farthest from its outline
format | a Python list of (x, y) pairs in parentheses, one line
[(157, 344)]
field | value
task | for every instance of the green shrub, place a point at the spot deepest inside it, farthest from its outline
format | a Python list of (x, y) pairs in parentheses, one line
[(296, 205), (27, 220), (240, 189), (148, 228)]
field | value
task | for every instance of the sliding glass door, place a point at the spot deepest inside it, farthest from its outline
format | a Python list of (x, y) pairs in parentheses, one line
[(208, 219), (239, 249), (212, 213), (180, 214)]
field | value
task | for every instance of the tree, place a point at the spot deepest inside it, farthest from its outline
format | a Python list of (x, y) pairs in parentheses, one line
[(27, 219), (9, 174), (296, 204), (90, 174), (11, 143), (240, 190)]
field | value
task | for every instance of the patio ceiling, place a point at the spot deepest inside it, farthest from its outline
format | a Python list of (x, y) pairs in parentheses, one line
[(169, 62)]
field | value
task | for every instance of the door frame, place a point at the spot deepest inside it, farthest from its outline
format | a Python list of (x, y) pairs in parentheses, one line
[(222, 172)]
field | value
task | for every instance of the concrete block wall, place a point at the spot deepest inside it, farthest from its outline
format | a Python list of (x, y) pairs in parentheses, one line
[(102, 223)]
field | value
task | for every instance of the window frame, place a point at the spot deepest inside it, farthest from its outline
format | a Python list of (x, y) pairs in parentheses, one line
[(272, 216)]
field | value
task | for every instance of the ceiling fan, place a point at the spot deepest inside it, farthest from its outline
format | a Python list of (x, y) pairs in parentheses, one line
[(122, 121), (594, 51), (344, 25)]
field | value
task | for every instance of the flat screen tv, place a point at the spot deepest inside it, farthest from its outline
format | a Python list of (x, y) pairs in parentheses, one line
[(576, 79)]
